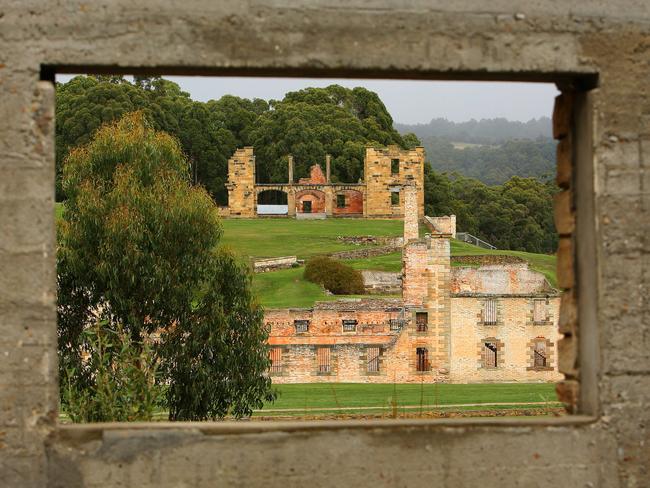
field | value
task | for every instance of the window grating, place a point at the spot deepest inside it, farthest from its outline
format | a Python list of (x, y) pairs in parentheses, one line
[(490, 355), (422, 359), (372, 354), (324, 365), (422, 321), (349, 325), (276, 359), (301, 326), (490, 312)]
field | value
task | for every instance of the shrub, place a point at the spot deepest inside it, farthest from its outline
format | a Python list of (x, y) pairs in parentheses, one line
[(334, 276), (121, 378)]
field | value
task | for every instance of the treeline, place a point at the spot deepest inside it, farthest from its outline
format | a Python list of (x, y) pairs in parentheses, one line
[(484, 131), (494, 165), (517, 215), (309, 124)]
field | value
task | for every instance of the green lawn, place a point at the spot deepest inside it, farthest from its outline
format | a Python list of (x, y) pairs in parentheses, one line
[(303, 238), (346, 395)]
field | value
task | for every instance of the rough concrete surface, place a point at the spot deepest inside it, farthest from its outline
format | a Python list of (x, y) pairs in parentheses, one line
[(579, 44)]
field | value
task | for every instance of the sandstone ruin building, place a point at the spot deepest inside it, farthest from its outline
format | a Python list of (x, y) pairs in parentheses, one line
[(385, 171), (494, 323)]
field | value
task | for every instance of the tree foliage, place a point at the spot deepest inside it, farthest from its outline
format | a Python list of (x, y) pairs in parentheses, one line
[(335, 276), (136, 247)]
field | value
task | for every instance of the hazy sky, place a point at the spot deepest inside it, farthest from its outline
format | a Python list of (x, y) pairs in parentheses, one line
[(407, 101)]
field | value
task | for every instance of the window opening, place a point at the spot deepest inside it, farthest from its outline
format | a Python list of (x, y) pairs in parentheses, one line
[(490, 354), (349, 325), (539, 354), (539, 311), (394, 166), (276, 359), (373, 359), (490, 312), (422, 321), (340, 200), (301, 326), (394, 198), (422, 359), (324, 365)]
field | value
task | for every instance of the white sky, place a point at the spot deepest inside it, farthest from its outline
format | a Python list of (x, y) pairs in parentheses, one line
[(408, 101)]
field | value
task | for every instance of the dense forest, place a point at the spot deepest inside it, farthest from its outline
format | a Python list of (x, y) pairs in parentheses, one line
[(484, 131), (515, 214), (494, 165)]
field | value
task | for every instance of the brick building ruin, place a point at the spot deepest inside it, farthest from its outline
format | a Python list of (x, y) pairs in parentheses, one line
[(386, 172), (461, 325)]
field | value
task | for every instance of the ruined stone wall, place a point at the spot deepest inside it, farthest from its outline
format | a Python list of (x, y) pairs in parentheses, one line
[(582, 45), (380, 180), (353, 202), (241, 184), (513, 278), (515, 329)]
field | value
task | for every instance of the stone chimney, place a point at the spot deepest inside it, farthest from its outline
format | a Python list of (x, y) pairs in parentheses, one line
[(290, 158), (411, 230)]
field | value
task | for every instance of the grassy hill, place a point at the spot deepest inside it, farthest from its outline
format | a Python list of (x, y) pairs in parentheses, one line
[(258, 238)]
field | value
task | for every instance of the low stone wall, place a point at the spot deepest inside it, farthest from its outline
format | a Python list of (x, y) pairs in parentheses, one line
[(373, 240), (382, 282), (486, 260), (272, 264), (365, 252)]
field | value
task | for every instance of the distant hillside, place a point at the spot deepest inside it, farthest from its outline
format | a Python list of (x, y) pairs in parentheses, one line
[(493, 165), (484, 131)]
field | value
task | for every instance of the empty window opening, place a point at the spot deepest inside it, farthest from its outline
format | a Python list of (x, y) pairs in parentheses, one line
[(394, 198), (539, 311), (340, 200), (275, 355), (539, 354), (422, 321), (372, 354), (349, 325), (490, 354), (490, 312), (394, 166), (422, 358), (301, 326), (324, 364), (306, 206)]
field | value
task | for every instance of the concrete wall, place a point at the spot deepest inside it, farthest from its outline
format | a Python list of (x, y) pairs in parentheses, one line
[(573, 43)]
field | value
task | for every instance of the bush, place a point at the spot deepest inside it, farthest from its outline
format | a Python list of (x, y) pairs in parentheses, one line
[(121, 378), (334, 276)]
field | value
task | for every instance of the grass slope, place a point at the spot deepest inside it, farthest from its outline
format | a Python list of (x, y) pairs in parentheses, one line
[(342, 395), (303, 238)]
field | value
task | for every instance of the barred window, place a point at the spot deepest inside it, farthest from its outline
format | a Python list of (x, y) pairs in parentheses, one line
[(539, 354), (396, 324), (349, 325), (422, 359), (372, 354), (490, 312), (490, 354), (276, 359), (301, 326), (422, 321), (324, 365), (539, 311)]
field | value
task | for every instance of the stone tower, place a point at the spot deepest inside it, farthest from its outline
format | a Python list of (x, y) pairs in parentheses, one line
[(241, 184), (386, 172)]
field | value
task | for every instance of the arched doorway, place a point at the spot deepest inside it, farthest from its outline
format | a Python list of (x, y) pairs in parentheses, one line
[(310, 204)]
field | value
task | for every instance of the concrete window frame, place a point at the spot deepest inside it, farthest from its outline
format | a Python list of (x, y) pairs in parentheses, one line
[(576, 256)]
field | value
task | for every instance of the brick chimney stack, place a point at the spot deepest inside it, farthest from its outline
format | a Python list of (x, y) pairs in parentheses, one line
[(328, 164)]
